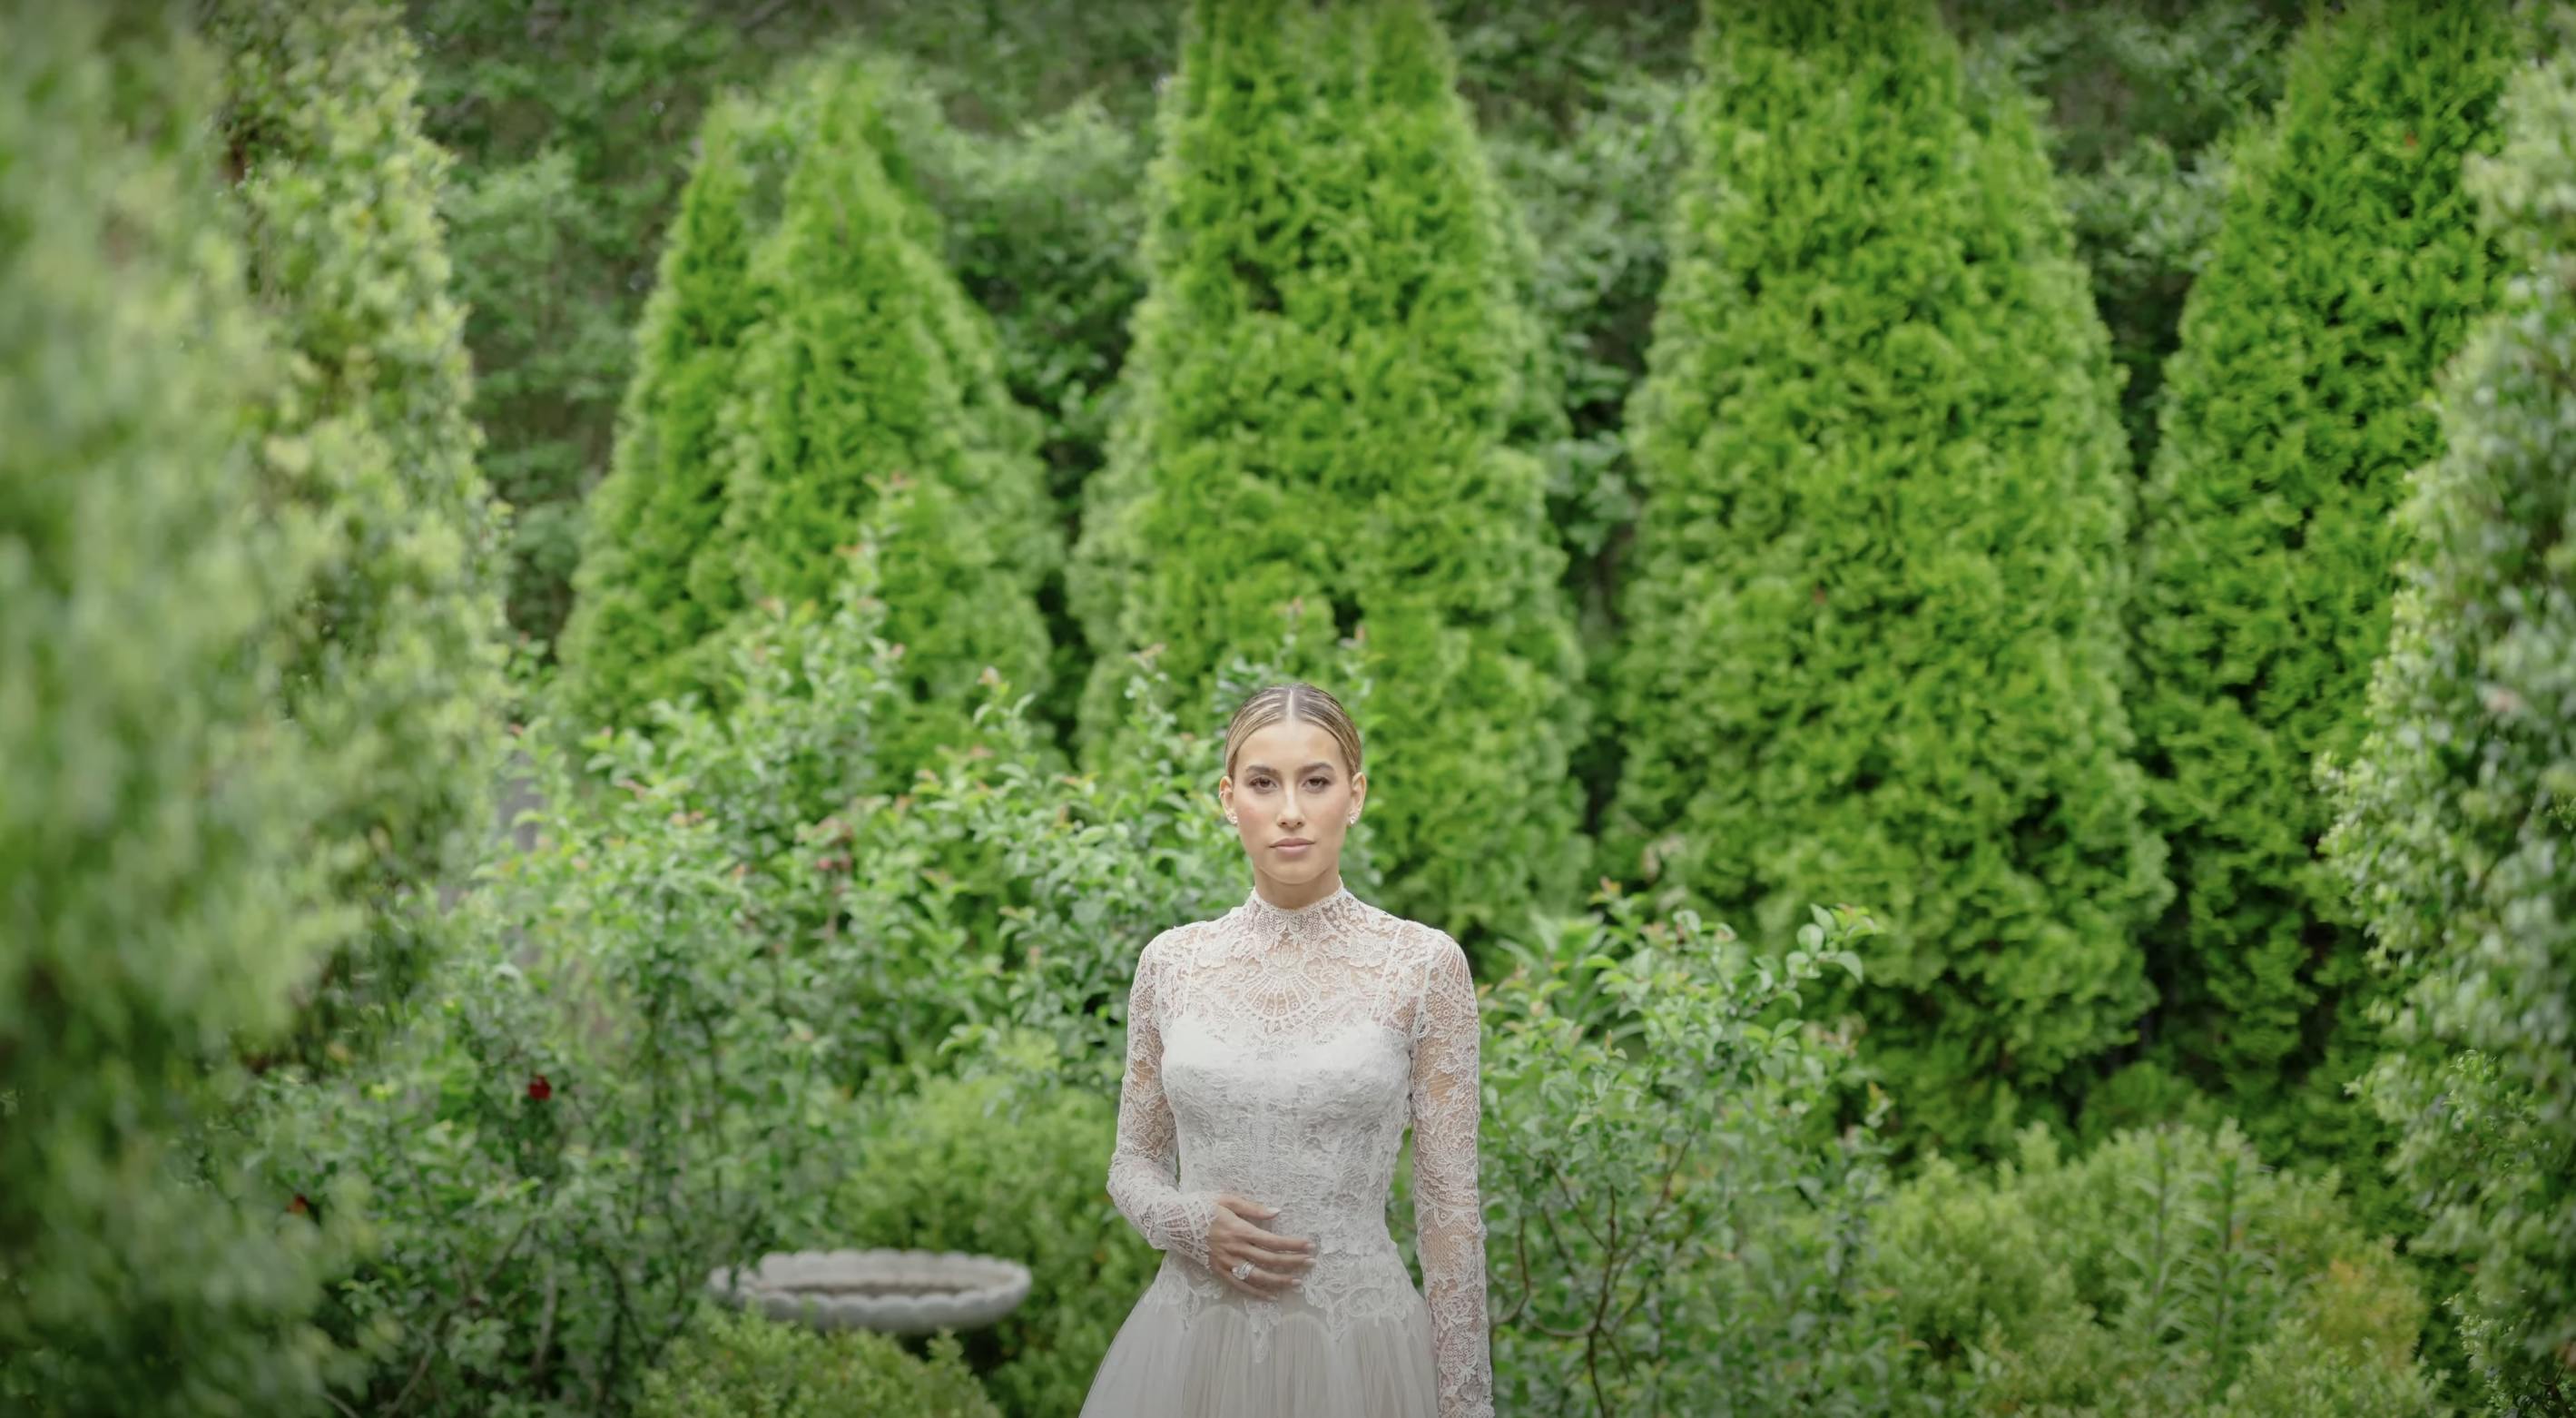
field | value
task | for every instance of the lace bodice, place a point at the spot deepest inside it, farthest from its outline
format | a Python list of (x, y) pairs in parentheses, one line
[(1279, 1054)]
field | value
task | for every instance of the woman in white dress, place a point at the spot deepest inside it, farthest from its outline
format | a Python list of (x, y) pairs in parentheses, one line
[(1275, 1055)]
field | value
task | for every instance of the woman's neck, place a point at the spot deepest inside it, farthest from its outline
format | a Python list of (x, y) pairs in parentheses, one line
[(1295, 896)]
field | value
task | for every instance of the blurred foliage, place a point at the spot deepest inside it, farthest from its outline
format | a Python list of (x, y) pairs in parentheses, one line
[(744, 1366), (2454, 830), (159, 889), (1006, 1158), (799, 364), (395, 638)]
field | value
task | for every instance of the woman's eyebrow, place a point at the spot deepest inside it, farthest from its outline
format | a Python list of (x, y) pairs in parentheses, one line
[(1266, 768)]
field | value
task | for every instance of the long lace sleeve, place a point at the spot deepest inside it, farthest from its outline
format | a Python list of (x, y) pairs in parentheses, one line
[(1144, 1170), (1448, 1212)]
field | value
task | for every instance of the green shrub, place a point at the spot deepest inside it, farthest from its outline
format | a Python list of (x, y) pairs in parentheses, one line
[(868, 368), (1008, 1161), (1325, 375), (1675, 1223), (743, 1366), (394, 670), (156, 812), (1870, 615), (2167, 1271), (2454, 832), (2347, 270)]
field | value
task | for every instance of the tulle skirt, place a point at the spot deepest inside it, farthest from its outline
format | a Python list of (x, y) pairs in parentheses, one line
[(1166, 1363)]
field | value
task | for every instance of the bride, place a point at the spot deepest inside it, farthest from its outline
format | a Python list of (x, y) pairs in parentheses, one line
[(1275, 1055)]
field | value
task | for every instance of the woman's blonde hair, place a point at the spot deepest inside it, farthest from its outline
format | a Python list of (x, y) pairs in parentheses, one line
[(1294, 700)]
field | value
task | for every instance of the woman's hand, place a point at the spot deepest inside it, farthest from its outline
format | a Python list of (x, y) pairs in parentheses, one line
[(1278, 1262)]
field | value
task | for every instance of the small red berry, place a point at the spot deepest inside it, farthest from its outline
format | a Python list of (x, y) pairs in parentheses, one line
[(539, 1089), (299, 1206)]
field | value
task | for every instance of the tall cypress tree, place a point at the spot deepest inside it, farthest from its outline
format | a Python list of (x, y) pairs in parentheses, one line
[(2348, 268), (2456, 818), (868, 365), (395, 675), (657, 512), (2456, 825), (1326, 373), (158, 892), (1870, 617)]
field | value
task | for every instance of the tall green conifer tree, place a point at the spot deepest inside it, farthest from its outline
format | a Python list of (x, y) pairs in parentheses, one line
[(1870, 617), (2348, 268), (1326, 375), (2456, 826), (657, 513), (2456, 815), (159, 893), (395, 677), (868, 364)]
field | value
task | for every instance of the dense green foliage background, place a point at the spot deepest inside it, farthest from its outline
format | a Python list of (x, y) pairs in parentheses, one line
[(614, 622)]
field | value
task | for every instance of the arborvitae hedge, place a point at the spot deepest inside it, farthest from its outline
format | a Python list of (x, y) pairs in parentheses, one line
[(2347, 269), (2456, 826), (1870, 618), (1324, 374), (868, 364), (395, 668), (658, 511), (157, 893)]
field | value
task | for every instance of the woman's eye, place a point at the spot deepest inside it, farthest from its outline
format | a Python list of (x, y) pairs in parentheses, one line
[(1318, 783)]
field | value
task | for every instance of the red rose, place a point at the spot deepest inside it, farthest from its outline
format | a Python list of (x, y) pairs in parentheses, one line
[(539, 1089)]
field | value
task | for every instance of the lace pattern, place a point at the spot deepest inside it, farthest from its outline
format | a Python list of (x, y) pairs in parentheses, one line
[(1280, 1054)]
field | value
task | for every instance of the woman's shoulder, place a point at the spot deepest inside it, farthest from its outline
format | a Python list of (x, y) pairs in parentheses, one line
[(1422, 942)]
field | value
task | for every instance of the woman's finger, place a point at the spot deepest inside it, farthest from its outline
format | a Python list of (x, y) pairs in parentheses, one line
[(1274, 1257)]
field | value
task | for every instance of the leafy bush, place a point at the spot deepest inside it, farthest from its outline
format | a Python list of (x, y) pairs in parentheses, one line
[(1006, 1160), (2348, 269), (1870, 634), (394, 673), (1325, 375), (156, 812), (2454, 831), (743, 1366), (2167, 1271), (1675, 1225)]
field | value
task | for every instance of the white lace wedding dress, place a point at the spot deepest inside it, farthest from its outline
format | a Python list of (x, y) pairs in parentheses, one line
[(1279, 1054)]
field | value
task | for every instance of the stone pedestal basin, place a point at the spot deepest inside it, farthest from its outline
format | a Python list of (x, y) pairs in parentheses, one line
[(889, 1291)]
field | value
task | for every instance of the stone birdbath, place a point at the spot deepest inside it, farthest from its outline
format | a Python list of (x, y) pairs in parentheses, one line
[(889, 1291)]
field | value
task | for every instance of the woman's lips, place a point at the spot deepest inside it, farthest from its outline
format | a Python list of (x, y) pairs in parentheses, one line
[(1292, 848)]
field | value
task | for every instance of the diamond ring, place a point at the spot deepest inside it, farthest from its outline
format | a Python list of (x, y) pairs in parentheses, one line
[(1243, 1270)]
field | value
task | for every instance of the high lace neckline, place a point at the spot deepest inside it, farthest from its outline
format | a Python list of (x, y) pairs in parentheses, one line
[(1267, 916)]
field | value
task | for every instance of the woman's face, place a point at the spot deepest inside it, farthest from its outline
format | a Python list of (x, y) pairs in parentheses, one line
[(1290, 786)]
